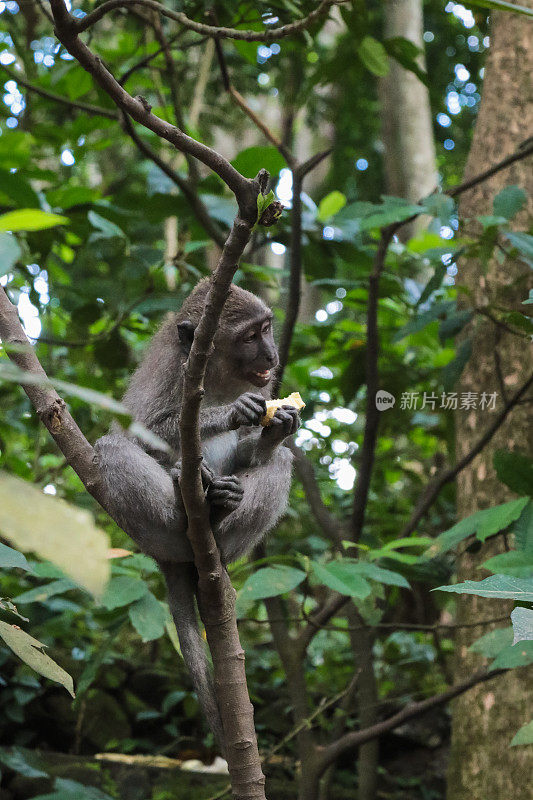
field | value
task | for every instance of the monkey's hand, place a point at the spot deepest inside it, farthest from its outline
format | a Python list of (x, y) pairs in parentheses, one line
[(224, 494), (285, 422), (248, 409)]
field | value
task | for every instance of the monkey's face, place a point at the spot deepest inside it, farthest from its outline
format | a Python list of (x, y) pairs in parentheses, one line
[(254, 350)]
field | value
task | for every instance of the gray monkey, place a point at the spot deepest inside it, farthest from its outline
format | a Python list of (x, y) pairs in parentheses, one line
[(246, 471)]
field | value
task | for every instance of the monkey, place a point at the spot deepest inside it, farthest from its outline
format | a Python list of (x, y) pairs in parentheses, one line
[(246, 469)]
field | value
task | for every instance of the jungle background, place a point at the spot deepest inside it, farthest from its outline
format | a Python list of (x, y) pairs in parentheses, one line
[(104, 228)]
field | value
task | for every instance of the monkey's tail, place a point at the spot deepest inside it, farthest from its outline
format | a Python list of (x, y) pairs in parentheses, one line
[(181, 582)]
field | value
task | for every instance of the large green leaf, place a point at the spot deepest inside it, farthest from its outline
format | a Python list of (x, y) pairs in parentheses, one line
[(123, 590), (517, 655), (270, 582), (493, 642), (515, 470), (30, 651), (55, 530), (42, 593), (524, 244), (252, 159), (30, 219), (148, 617), (9, 252), (25, 762), (509, 201), (523, 529), (503, 586), (514, 562), (522, 619), (374, 56), (10, 558), (524, 735), (386, 576), (483, 523), (330, 205), (342, 576)]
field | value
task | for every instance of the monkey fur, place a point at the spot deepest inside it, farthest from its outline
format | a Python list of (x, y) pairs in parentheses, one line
[(246, 470)]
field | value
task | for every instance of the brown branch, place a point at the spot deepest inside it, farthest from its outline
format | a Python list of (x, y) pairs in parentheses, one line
[(320, 618), (524, 150), (354, 739), (192, 197), (366, 461), (216, 595), (140, 111), (57, 98), (213, 31), (450, 474), (50, 408)]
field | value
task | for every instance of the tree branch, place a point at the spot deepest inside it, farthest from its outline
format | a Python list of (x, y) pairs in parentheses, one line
[(213, 31), (57, 98), (450, 474), (355, 739), (137, 108)]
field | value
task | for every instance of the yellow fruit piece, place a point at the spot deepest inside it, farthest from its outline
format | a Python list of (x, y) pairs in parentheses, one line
[(293, 399)]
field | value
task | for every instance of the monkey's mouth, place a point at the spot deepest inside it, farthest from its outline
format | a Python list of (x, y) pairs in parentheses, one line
[(260, 378)]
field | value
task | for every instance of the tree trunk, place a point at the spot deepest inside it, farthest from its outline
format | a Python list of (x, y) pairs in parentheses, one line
[(410, 165), (482, 765)]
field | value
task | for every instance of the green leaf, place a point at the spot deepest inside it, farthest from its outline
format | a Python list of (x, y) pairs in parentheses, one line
[(107, 229), (374, 56), (66, 789), (382, 575), (330, 205), (523, 243), (42, 593), (148, 617), (24, 762), (524, 735), (263, 202), (9, 252), (454, 369), (438, 311), (517, 655), (55, 530), (503, 586), (10, 558), (522, 619), (16, 188), (493, 642), (515, 470), (407, 54), (485, 523), (270, 582), (509, 201), (342, 577), (515, 562), (500, 5), (30, 219), (122, 590), (523, 529), (29, 650), (252, 159)]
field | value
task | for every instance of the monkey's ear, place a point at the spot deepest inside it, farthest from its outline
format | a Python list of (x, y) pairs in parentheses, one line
[(186, 334)]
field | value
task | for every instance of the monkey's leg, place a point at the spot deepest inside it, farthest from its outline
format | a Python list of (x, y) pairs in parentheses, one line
[(265, 495), (142, 498)]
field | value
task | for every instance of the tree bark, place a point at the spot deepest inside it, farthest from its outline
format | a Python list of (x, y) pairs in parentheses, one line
[(482, 763), (410, 163)]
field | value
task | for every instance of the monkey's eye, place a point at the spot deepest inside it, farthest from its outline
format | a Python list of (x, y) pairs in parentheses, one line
[(249, 338), (266, 327)]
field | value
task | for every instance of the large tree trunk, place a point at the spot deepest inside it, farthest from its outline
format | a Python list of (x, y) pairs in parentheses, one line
[(410, 165), (482, 765)]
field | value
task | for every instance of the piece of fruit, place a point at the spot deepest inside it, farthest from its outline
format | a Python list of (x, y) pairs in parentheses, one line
[(293, 400)]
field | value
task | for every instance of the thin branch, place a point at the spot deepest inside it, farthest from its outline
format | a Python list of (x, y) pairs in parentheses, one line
[(320, 618), (140, 111), (350, 741), (524, 150), (450, 474), (193, 198), (366, 462), (213, 31), (57, 98), (51, 409)]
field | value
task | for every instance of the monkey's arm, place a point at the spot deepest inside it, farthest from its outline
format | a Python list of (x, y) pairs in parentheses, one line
[(248, 409), (265, 495)]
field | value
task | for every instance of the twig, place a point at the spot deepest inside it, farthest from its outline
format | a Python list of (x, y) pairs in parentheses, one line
[(215, 32), (355, 739), (57, 98), (450, 474), (139, 110)]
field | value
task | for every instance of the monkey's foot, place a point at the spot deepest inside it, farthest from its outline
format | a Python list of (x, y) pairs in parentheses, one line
[(225, 492)]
